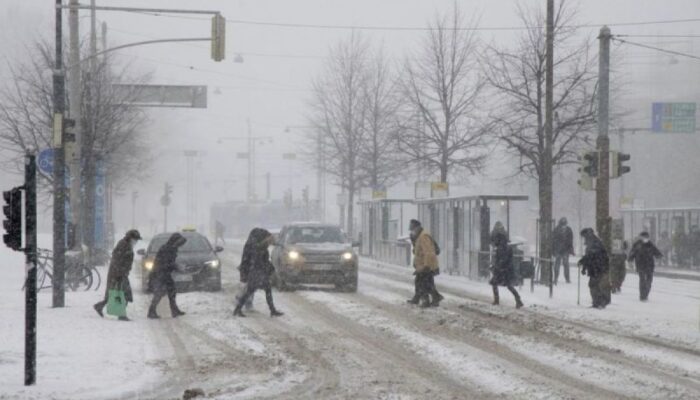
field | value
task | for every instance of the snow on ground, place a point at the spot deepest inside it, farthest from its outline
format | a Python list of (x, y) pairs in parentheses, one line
[(672, 312)]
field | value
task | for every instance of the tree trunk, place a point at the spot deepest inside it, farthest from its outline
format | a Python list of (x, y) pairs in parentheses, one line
[(545, 225), (350, 210)]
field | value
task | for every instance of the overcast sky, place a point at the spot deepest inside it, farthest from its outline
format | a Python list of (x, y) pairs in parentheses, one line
[(271, 86)]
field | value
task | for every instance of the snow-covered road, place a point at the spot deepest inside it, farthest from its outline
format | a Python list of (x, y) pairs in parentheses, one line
[(368, 345)]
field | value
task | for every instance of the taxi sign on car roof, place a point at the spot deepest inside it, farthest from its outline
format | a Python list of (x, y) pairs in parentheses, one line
[(189, 229)]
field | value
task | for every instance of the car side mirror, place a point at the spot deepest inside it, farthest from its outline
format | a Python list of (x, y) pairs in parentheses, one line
[(218, 249), (141, 252)]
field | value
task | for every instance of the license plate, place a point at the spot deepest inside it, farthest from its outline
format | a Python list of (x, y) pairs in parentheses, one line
[(323, 267), (182, 278)]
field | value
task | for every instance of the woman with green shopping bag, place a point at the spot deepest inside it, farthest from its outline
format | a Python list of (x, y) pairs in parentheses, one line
[(118, 277)]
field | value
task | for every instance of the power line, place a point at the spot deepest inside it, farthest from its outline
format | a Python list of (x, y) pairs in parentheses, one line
[(661, 36), (676, 53), (416, 28)]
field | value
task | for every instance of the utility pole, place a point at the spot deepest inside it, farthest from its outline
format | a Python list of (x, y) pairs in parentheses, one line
[(59, 178), (30, 284), (251, 164), (320, 178), (603, 141), (134, 196), (546, 186), (75, 100)]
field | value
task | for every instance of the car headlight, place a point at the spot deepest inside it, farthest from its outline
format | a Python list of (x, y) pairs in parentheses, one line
[(347, 256), (212, 263), (293, 255), (148, 265)]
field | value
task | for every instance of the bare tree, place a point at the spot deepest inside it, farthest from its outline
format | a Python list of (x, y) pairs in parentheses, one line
[(381, 165), (338, 111), (443, 86), (518, 76), (112, 128)]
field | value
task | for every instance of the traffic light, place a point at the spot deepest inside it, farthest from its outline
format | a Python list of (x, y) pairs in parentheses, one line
[(590, 164), (165, 199), (218, 37), (13, 218), (618, 167)]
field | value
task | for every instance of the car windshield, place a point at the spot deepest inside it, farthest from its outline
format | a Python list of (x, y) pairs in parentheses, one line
[(195, 243), (315, 234)]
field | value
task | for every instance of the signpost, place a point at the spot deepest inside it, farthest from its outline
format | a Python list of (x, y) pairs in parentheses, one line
[(673, 117)]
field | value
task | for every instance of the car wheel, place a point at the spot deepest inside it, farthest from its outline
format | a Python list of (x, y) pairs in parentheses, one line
[(350, 286)]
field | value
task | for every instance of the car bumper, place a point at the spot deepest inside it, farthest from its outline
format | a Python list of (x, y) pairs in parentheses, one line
[(339, 274), (203, 280)]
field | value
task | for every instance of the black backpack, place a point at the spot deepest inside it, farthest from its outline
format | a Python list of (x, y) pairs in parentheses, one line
[(437, 247)]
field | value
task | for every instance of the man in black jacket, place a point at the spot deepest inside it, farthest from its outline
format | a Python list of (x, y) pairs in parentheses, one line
[(643, 254), (161, 281), (595, 264), (562, 248), (119, 268)]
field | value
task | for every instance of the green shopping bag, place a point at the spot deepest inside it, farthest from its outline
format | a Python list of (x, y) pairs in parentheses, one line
[(116, 303)]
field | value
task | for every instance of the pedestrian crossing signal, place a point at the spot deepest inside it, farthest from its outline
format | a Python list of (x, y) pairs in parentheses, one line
[(618, 168)]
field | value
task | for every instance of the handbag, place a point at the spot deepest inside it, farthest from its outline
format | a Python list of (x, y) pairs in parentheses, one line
[(116, 303)]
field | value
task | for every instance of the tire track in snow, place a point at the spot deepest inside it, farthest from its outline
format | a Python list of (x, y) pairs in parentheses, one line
[(610, 356)]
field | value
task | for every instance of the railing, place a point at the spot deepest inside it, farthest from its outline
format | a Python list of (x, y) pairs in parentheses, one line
[(392, 252)]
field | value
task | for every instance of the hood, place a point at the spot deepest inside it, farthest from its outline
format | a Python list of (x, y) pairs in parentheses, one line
[(322, 247)]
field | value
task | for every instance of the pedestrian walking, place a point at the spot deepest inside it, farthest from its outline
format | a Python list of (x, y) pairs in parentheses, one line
[(595, 264), (119, 268), (562, 248), (258, 270), (643, 254), (219, 231), (502, 267), (243, 268), (425, 264), (161, 282)]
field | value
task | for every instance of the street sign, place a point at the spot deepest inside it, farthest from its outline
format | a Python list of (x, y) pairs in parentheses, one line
[(45, 161), (162, 95), (440, 190), (673, 117)]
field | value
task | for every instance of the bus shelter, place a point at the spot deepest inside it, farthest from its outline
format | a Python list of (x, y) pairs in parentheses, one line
[(672, 220), (384, 230), (462, 226)]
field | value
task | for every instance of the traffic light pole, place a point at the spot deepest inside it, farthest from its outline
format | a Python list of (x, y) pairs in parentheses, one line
[(30, 285), (603, 141), (59, 178)]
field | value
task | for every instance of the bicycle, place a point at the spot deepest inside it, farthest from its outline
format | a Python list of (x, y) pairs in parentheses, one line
[(78, 276)]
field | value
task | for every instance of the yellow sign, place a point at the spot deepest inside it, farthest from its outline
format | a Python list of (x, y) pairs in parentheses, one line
[(378, 194)]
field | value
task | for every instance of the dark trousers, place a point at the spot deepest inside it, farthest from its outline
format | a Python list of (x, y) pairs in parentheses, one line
[(250, 289), (160, 289), (599, 286), (510, 288), (646, 275), (424, 283), (558, 261)]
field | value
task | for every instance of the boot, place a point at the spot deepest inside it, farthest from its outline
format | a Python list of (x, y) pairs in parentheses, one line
[(124, 318), (275, 313), (98, 307), (518, 303), (178, 313), (414, 300), (152, 314), (237, 312), (495, 296), (437, 298)]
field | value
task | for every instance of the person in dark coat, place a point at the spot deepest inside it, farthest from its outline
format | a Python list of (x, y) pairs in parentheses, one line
[(161, 281), (502, 271), (257, 270), (562, 248), (119, 268), (643, 254), (595, 264)]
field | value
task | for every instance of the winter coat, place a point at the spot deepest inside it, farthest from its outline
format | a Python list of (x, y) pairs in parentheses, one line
[(256, 268), (595, 260), (502, 268), (562, 241), (165, 262), (643, 255), (119, 268), (424, 257)]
